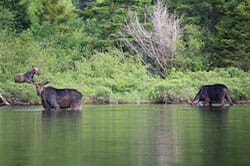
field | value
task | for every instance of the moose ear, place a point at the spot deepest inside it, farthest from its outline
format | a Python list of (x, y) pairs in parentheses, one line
[(35, 83), (46, 82), (42, 83)]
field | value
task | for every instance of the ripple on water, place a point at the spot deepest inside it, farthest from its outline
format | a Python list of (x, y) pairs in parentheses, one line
[(27, 109)]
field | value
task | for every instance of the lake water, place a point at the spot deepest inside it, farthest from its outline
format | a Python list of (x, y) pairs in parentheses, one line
[(126, 135)]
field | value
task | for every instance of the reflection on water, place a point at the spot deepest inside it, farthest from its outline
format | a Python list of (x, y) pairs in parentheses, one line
[(217, 109), (48, 115), (129, 135)]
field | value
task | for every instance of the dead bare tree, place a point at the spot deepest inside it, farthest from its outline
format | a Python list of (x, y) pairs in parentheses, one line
[(4, 100), (157, 44)]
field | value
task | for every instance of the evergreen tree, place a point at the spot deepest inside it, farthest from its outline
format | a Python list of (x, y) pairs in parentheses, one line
[(7, 19), (232, 43), (203, 13), (47, 15), (225, 26), (106, 17), (16, 12)]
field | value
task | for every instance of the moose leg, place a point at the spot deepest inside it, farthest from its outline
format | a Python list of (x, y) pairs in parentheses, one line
[(222, 102), (54, 103), (207, 100), (228, 98), (77, 105), (46, 106), (56, 106), (76, 108)]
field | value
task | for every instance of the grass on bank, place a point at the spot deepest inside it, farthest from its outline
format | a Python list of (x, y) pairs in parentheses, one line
[(114, 76), (122, 81)]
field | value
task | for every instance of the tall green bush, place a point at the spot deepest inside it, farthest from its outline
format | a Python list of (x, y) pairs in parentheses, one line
[(184, 86)]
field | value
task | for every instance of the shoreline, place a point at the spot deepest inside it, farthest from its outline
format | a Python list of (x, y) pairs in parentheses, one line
[(98, 102)]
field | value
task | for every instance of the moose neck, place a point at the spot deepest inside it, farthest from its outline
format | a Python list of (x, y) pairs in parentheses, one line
[(39, 90), (30, 74)]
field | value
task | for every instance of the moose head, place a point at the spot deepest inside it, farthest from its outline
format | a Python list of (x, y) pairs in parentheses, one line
[(40, 86), (36, 70)]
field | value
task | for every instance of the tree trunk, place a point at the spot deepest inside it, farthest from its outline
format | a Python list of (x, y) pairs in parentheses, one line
[(78, 4), (82, 4), (4, 100)]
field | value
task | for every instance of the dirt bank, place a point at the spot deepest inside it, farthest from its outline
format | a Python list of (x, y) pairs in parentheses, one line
[(189, 101)]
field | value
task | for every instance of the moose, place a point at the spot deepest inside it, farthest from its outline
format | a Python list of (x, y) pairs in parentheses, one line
[(27, 77), (58, 98), (212, 94)]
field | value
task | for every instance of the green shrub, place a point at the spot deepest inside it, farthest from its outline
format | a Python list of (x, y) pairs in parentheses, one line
[(111, 75), (102, 94), (183, 86)]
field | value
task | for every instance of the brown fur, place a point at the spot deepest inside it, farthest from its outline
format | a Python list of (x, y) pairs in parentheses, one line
[(58, 98), (64, 102), (27, 77), (209, 94)]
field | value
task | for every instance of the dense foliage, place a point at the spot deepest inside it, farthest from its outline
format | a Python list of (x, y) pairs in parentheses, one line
[(225, 29), (77, 44)]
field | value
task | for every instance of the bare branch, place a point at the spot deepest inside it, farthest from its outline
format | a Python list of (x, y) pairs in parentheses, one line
[(4, 100), (157, 44)]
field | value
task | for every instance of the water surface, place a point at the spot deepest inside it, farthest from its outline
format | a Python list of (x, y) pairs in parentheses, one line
[(125, 135)]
